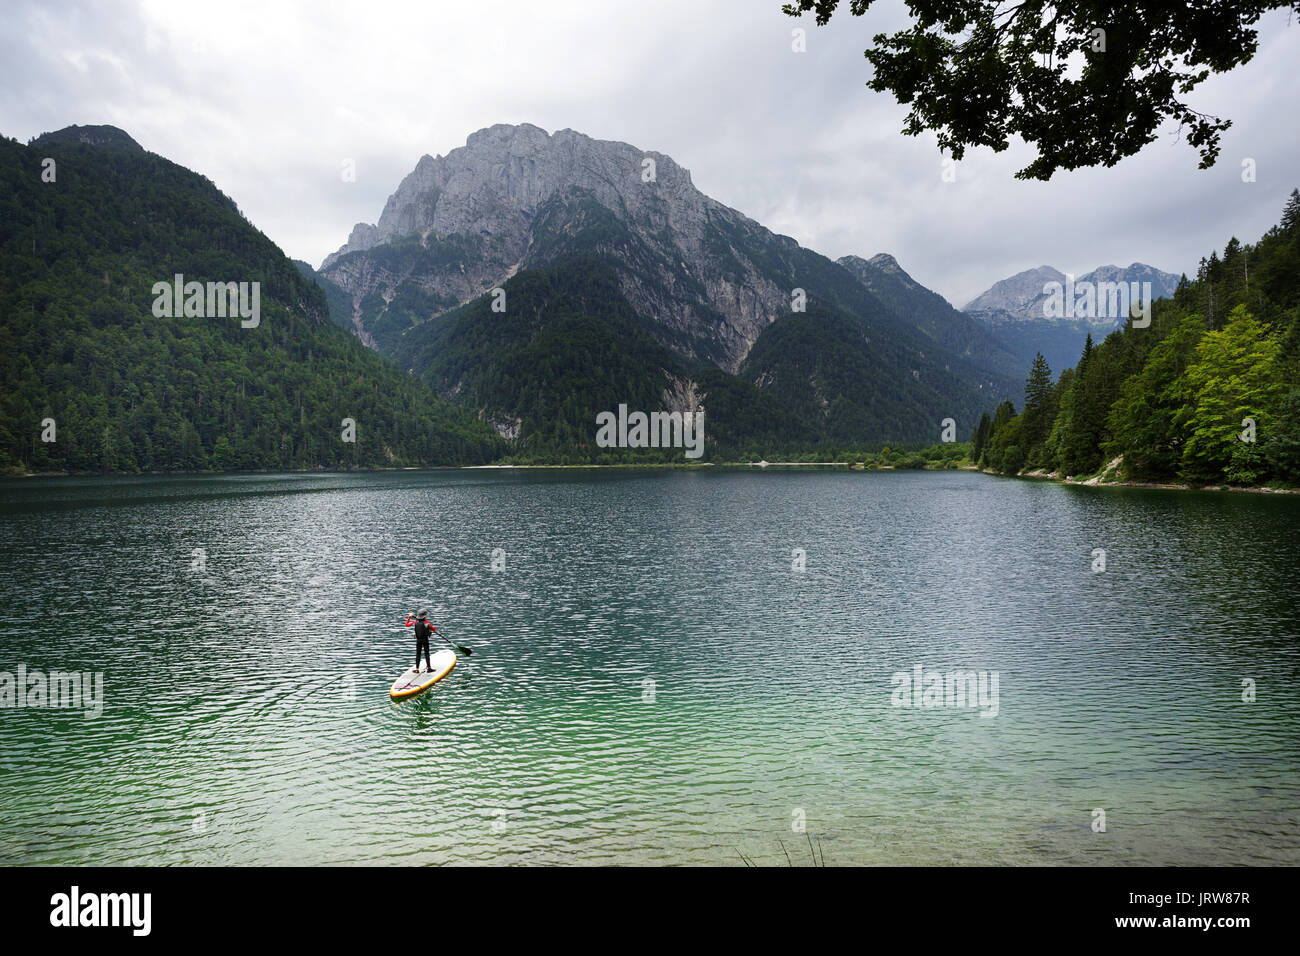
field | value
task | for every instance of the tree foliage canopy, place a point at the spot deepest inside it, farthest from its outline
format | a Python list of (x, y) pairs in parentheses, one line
[(1086, 83)]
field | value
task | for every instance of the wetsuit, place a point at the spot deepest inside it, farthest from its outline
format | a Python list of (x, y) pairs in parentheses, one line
[(422, 631)]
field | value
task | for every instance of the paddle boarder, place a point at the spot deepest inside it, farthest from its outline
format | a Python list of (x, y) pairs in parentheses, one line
[(422, 631)]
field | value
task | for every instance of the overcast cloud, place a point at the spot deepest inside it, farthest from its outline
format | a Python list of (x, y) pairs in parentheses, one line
[(268, 99)]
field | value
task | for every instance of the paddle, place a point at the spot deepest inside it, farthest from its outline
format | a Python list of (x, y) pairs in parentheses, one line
[(464, 650)]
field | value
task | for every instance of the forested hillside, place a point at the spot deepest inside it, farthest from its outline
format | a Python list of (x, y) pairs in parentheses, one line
[(823, 365), (128, 391), (1209, 393), (568, 346), (338, 302)]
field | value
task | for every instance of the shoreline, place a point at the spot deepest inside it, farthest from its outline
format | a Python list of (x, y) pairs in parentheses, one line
[(678, 466), (1038, 475), (1096, 482)]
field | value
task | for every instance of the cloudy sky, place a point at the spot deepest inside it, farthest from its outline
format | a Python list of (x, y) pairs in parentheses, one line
[(269, 99)]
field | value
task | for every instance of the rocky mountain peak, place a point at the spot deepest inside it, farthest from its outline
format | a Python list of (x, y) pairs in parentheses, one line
[(497, 181), (1017, 293), (1021, 296)]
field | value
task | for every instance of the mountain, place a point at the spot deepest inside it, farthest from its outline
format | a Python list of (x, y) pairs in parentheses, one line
[(515, 197), (1019, 296), (1017, 312), (932, 314), (1163, 284), (104, 137), (700, 280), (99, 377)]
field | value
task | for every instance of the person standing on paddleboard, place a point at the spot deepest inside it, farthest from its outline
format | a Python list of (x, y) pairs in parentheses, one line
[(422, 631)]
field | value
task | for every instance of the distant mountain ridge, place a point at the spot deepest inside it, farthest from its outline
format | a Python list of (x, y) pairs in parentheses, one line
[(1015, 310), (1017, 294), (1021, 296)]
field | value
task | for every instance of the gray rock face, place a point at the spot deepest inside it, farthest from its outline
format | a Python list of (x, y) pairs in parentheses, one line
[(1163, 284), (1021, 297), (496, 182), (517, 197), (1017, 295)]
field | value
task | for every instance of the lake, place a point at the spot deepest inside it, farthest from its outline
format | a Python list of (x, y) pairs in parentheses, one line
[(669, 667)]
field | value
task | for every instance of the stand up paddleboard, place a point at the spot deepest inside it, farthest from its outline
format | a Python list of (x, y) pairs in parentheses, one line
[(412, 681)]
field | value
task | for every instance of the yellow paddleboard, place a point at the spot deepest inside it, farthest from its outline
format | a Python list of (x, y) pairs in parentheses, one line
[(413, 681)]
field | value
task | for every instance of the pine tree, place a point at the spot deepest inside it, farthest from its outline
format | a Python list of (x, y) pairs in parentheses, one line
[(980, 438), (1291, 215), (1091, 396), (1087, 355), (1038, 397)]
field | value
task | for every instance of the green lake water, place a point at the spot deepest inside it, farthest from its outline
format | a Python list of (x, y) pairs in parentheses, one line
[(653, 680)]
